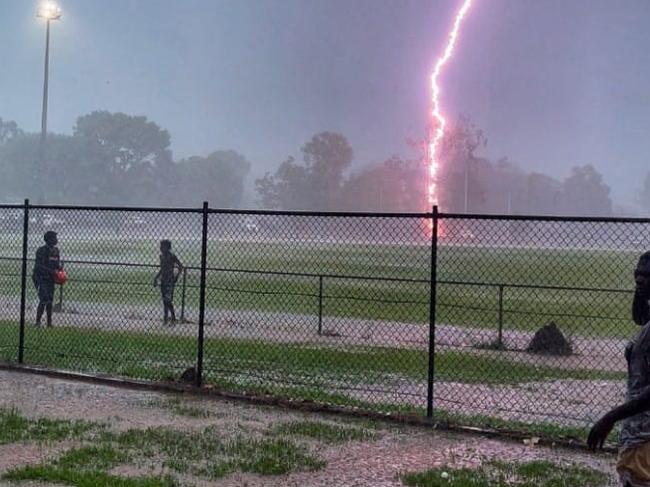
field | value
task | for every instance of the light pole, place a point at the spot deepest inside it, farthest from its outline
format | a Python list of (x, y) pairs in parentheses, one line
[(49, 11)]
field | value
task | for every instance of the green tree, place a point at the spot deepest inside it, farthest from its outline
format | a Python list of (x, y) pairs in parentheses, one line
[(544, 194), (218, 178), (9, 130), (327, 156), (314, 185), (130, 157), (288, 188), (68, 174), (584, 193), (395, 185), (459, 184)]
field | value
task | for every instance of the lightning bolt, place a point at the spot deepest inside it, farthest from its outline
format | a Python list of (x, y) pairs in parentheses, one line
[(437, 118)]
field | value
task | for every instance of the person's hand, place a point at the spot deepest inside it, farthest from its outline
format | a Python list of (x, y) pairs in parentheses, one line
[(599, 433)]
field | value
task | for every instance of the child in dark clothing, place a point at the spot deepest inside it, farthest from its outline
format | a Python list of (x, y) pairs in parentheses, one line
[(166, 279), (46, 264)]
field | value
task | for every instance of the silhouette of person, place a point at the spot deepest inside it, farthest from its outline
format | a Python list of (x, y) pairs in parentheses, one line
[(633, 464), (46, 264), (167, 278)]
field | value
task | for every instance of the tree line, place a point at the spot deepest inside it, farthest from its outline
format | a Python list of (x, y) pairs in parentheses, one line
[(118, 159), (322, 180), (115, 159)]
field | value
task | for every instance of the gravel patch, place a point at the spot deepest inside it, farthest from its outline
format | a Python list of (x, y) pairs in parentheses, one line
[(372, 463)]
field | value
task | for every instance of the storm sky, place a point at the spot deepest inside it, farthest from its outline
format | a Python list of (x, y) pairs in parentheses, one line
[(554, 83)]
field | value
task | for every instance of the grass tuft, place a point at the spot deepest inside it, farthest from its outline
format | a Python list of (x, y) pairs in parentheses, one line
[(324, 432), (539, 473), (15, 427), (84, 478), (179, 408)]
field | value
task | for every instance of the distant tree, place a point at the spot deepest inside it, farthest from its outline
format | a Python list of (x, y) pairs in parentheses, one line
[(129, 155), (584, 193), (313, 185), (393, 186), (327, 156), (68, 175), (218, 178), (544, 194), (288, 188), (9, 130), (459, 168)]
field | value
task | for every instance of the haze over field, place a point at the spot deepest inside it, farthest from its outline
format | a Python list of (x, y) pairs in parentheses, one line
[(330, 98)]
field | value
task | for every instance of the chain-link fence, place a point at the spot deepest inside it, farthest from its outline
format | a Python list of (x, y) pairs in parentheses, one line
[(425, 314)]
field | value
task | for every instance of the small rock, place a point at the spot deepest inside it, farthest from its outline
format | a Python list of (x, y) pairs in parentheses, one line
[(549, 340)]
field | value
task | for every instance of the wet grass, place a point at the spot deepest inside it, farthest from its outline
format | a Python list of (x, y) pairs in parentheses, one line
[(307, 373), (85, 478), (203, 454), (498, 474), (207, 454), (181, 408), (15, 427), (324, 432), (578, 312), (157, 356)]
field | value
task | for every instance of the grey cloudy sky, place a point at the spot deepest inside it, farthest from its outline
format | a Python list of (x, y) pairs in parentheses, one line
[(553, 83)]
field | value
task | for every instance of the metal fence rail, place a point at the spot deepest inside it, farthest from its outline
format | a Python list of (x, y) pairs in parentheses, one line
[(429, 314)]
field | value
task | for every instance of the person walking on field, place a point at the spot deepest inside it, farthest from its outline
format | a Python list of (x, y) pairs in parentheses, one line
[(167, 278), (46, 265), (633, 464)]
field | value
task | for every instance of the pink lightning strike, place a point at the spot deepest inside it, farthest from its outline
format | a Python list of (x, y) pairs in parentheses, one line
[(438, 118)]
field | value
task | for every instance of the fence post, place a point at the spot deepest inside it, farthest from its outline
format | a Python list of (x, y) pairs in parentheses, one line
[(432, 309), (500, 331), (23, 284), (204, 260), (320, 305), (183, 295)]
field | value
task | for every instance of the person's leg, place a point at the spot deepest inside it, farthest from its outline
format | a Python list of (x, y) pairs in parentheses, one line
[(46, 296), (39, 312), (168, 300), (48, 310), (166, 312), (43, 300), (172, 312)]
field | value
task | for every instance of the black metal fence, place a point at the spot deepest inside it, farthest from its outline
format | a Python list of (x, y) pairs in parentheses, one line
[(427, 314)]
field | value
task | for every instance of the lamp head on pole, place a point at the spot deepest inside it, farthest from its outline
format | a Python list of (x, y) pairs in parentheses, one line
[(49, 10)]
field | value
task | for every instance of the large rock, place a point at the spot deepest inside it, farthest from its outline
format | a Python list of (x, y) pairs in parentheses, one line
[(549, 340)]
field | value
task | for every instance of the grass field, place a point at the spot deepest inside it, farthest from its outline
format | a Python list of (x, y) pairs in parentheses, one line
[(154, 356), (540, 473), (377, 378), (142, 439), (322, 374), (517, 271)]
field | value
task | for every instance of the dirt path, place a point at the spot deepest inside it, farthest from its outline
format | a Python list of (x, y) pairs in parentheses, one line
[(376, 462)]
